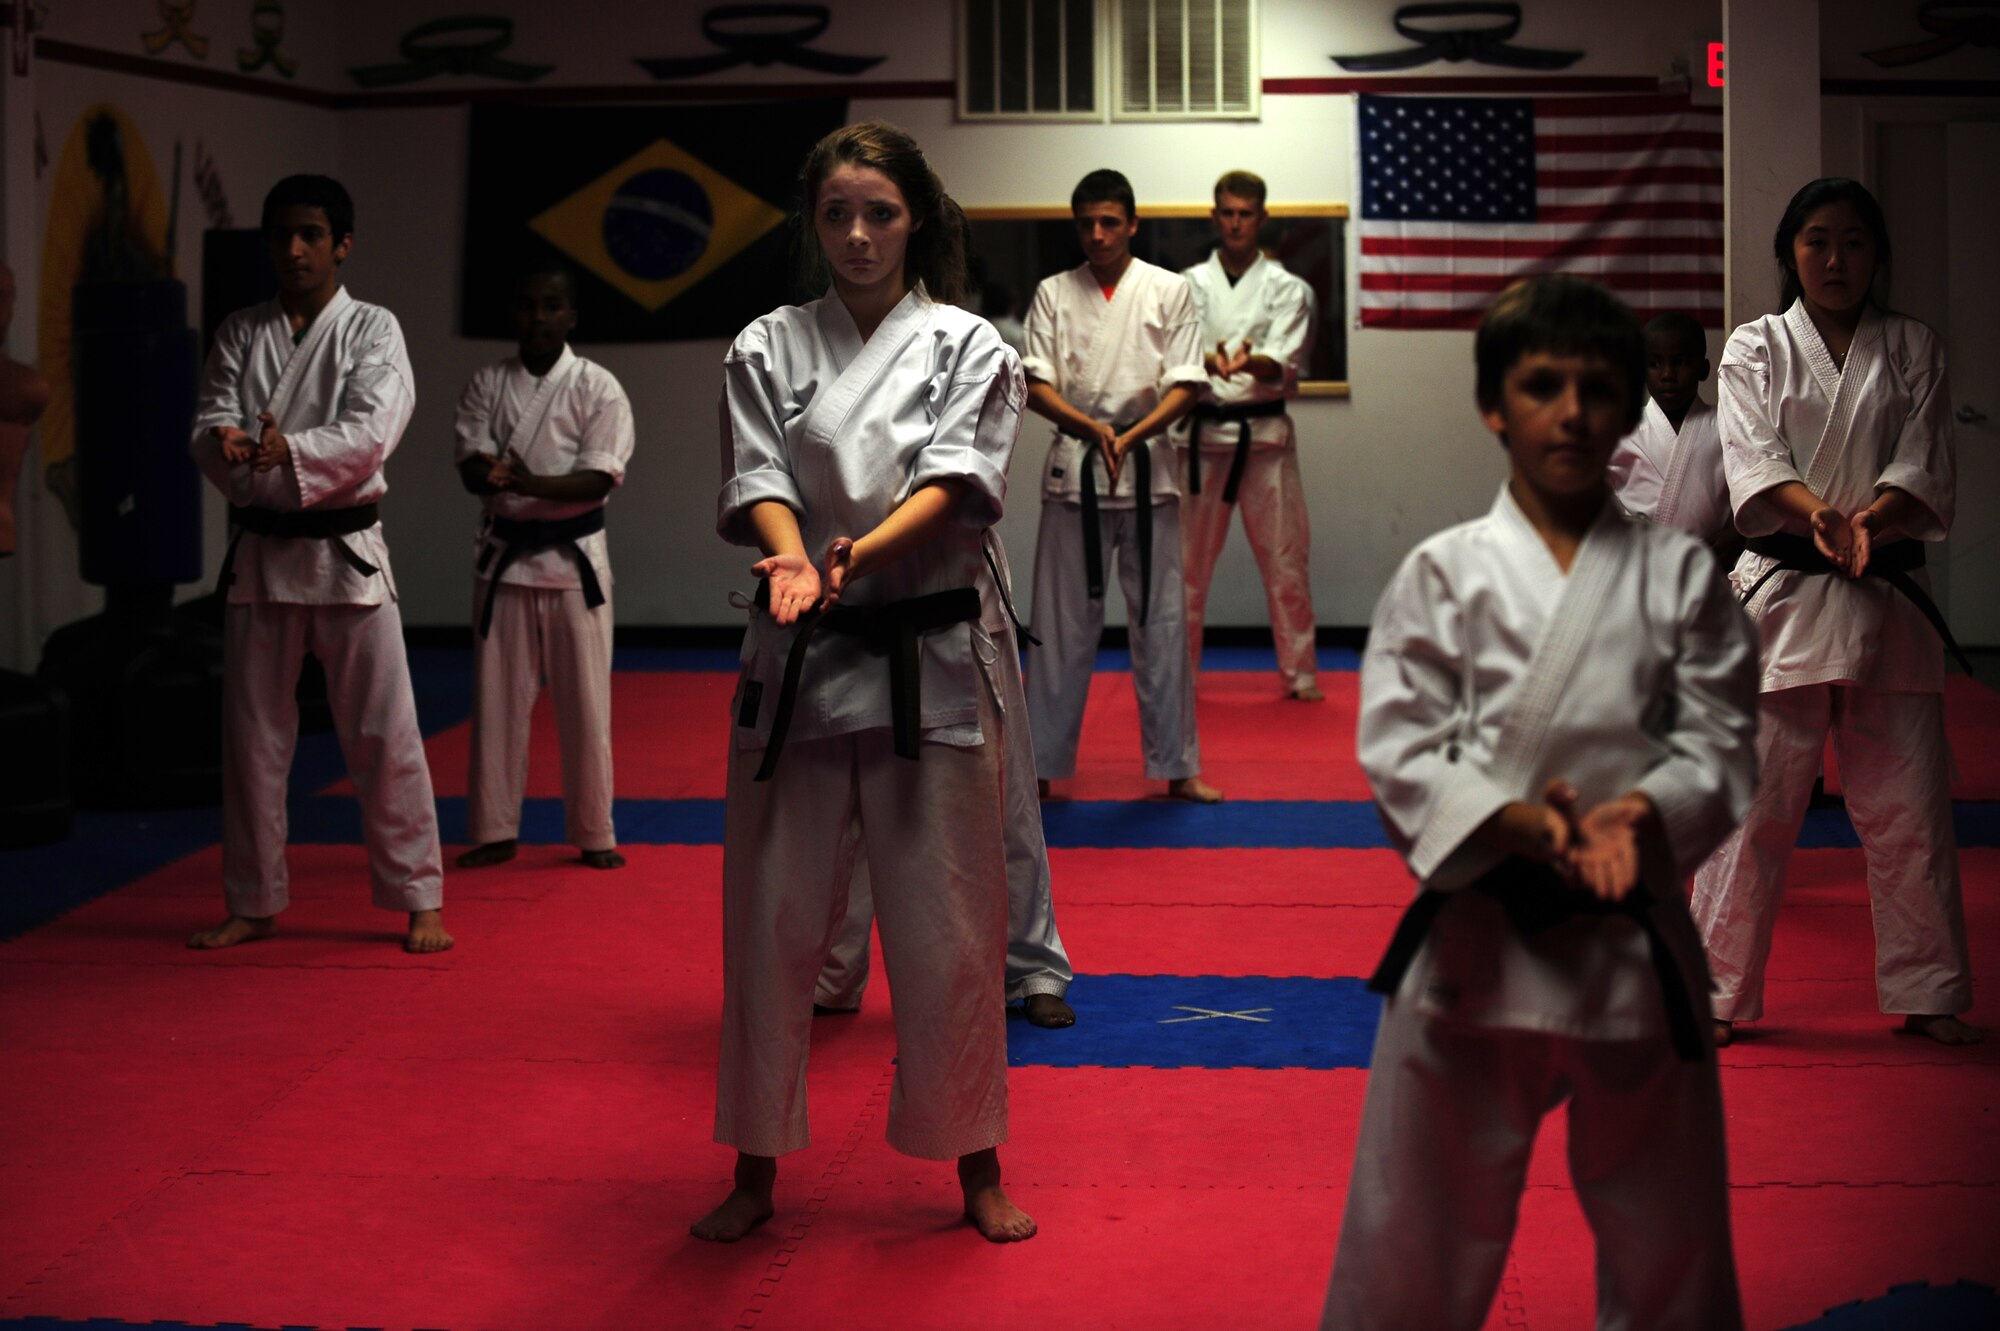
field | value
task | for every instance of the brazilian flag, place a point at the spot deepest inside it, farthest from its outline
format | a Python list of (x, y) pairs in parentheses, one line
[(674, 219)]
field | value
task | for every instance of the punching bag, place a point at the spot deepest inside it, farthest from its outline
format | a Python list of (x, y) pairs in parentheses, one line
[(132, 357)]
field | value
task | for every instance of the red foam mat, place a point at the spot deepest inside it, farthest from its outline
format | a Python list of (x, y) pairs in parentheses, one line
[(320, 1130), (404, 1250), (1255, 743), (1799, 1250), (1085, 877)]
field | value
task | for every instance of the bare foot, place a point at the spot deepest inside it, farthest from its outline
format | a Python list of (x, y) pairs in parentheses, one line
[(604, 859), (236, 929), (986, 1206), (1942, 1027), (1042, 789), (1306, 693), (748, 1204), (427, 932), (1049, 1011), (1725, 1033), (1194, 790), (493, 852)]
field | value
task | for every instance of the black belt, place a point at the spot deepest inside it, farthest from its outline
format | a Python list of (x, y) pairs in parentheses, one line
[(1006, 601), (1535, 898), (327, 524), (889, 629), (1893, 563), (520, 535), (1240, 412), (1141, 454)]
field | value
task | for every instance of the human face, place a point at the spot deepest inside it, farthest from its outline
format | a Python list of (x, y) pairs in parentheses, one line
[(1237, 222), (864, 230), (1674, 368), (1105, 232), (304, 250), (1834, 253), (1559, 417), (544, 316)]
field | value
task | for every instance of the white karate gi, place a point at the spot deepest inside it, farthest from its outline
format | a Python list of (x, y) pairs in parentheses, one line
[(1111, 360), (1488, 673), (1274, 310), (1853, 656), (1037, 962), (574, 418), (1674, 476), (341, 396), (841, 432)]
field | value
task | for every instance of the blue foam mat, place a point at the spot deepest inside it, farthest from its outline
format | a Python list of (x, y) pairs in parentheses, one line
[(1205, 1021), (1155, 824)]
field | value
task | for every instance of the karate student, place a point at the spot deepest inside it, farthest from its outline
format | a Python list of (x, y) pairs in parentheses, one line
[(1669, 469), (1837, 440), (1556, 711), (1038, 968), (1241, 450), (865, 442), (1114, 358), (543, 437), (302, 402)]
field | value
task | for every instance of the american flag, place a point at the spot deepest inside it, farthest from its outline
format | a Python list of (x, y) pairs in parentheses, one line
[(1462, 195)]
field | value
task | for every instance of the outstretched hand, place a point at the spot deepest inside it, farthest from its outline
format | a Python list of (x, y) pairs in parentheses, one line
[(1833, 535), (1605, 856), (1863, 528), (795, 585)]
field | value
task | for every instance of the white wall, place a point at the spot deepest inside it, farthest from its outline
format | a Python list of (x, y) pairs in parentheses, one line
[(1400, 459), (1403, 457)]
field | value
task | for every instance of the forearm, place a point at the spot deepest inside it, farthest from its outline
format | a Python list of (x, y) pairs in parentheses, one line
[(1891, 507), (777, 529), (1265, 370), (577, 487), (1517, 828), (914, 524), (1045, 402), (1795, 501), (1179, 400)]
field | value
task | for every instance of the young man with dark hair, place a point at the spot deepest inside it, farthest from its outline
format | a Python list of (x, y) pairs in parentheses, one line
[(1114, 358), (543, 438), (1257, 324), (302, 402)]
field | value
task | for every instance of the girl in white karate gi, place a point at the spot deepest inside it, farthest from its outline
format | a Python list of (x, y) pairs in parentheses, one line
[(1836, 426), (870, 429)]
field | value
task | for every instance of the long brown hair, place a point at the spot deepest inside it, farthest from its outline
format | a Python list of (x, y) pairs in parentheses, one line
[(936, 253)]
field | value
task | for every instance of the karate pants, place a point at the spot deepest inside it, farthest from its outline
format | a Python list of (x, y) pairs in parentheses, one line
[(1895, 769), (1036, 961), (1272, 497), (375, 715), (1447, 1128), (538, 632), (931, 831), (1069, 624)]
